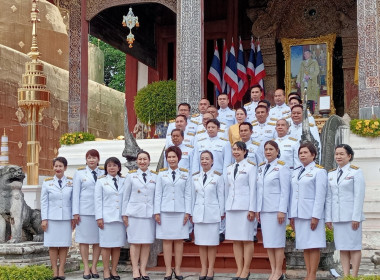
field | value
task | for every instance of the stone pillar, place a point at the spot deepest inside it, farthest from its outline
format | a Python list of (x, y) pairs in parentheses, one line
[(368, 14), (189, 51), (268, 49)]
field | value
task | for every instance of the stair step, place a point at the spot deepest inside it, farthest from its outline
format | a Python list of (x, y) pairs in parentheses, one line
[(217, 270)]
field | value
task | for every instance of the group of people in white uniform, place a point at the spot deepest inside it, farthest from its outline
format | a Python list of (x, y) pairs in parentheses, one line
[(108, 209)]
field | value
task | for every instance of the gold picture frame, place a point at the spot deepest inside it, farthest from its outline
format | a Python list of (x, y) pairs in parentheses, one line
[(308, 64)]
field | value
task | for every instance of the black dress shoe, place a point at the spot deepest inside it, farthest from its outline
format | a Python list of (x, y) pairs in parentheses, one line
[(88, 276), (210, 277), (178, 277), (222, 237), (108, 278), (61, 277), (202, 277), (95, 275), (255, 239), (136, 278), (168, 277), (235, 278), (281, 277), (115, 277), (145, 277)]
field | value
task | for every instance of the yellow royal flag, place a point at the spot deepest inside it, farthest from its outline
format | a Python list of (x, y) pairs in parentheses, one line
[(356, 77)]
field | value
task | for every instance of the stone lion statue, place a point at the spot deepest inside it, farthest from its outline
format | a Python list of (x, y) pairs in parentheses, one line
[(18, 222)]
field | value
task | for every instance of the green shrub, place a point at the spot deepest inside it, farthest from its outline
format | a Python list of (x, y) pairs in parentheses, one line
[(34, 272), (291, 235), (363, 277), (76, 138), (156, 102), (366, 128)]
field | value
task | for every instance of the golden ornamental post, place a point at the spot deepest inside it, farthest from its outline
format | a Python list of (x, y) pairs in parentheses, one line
[(33, 97)]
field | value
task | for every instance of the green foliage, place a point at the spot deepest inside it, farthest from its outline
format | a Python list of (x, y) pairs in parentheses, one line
[(156, 102), (291, 235), (363, 277), (114, 65), (34, 272), (75, 138), (366, 128)]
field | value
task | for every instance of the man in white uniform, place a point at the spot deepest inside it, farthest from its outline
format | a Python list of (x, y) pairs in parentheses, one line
[(183, 109), (226, 115), (202, 107), (281, 110), (256, 92), (181, 123), (202, 131), (187, 150), (262, 130)]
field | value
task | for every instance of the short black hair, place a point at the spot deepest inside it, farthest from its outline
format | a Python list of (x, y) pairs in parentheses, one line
[(348, 149), (143, 152), (184, 104), (266, 102), (61, 160), (256, 86), (241, 146), (275, 145), (243, 109), (297, 106), (296, 98), (175, 150), (182, 116), (180, 131), (214, 121), (262, 106), (310, 146), (114, 160), (246, 123)]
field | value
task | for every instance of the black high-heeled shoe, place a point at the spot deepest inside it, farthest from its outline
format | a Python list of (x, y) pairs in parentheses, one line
[(169, 277), (178, 277), (115, 277), (281, 277), (202, 277), (246, 277)]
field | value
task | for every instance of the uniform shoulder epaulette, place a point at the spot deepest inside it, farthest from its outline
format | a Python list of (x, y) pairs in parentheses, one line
[(171, 121), (224, 139), (191, 134), (354, 167), (70, 178), (190, 146), (251, 162), (195, 122), (202, 139), (202, 131), (132, 171), (154, 172), (82, 168), (255, 143), (49, 179), (285, 112), (196, 173), (293, 139), (289, 116), (183, 169), (309, 115), (163, 169), (331, 170), (270, 123), (247, 104), (221, 130), (281, 162), (101, 167), (273, 119), (102, 176), (194, 115), (217, 173), (319, 166), (311, 124), (254, 123), (261, 164)]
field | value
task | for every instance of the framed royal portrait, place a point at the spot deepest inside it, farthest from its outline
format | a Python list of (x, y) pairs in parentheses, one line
[(308, 69)]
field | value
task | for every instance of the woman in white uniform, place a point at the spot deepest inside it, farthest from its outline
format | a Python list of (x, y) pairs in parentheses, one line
[(56, 216), (344, 208), (137, 213), (273, 186), (240, 207), (108, 205), (308, 196), (172, 209), (208, 211), (86, 231)]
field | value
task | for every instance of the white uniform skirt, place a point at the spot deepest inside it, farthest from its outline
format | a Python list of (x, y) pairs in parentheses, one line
[(307, 238), (172, 226), (206, 234), (141, 230), (87, 232), (58, 234), (238, 227), (112, 235), (274, 234), (345, 238)]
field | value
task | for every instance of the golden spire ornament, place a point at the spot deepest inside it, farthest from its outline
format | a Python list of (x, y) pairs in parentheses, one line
[(33, 97)]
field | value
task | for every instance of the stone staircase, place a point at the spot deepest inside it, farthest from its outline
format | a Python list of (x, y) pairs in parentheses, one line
[(225, 261)]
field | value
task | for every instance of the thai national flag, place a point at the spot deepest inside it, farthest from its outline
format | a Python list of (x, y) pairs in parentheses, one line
[(215, 73), (242, 73), (230, 74), (225, 86), (251, 64), (260, 70)]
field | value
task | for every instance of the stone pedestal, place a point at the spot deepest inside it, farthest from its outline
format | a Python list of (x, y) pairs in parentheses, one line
[(30, 253), (32, 196)]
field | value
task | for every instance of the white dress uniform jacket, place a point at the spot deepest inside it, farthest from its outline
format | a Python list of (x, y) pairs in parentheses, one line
[(308, 194), (56, 202), (253, 147), (108, 199), (263, 132), (279, 112), (188, 139), (289, 151), (197, 118), (227, 116), (186, 158), (138, 196), (220, 149), (250, 107), (173, 196), (191, 126), (208, 198), (345, 199), (309, 115), (273, 188), (240, 191), (83, 190)]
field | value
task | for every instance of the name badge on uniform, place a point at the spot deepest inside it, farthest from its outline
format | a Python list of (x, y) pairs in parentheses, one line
[(268, 131), (84, 180), (214, 183), (69, 184), (164, 175), (287, 145), (51, 184), (276, 169), (242, 172), (309, 175), (185, 153), (349, 178), (183, 177), (134, 176), (330, 179), (151, 181), (196, 179), (186, 140)]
